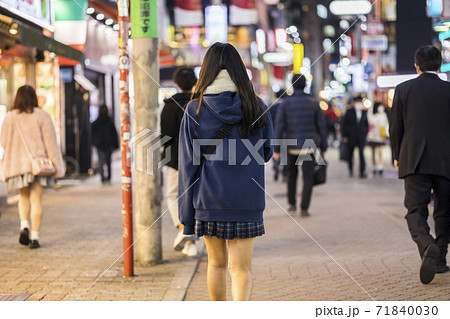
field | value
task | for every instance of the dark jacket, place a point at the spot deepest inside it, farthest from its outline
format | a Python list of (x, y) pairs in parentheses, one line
[(300, 117), (224, 191), (354, 131), (104, 134), (171, 117), (419, 126)]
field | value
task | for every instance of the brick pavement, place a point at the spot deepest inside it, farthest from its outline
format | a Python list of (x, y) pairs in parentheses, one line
[(360, 224), (81, 236)]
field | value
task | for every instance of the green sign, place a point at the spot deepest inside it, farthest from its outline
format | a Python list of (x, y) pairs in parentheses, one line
[(144, 19)]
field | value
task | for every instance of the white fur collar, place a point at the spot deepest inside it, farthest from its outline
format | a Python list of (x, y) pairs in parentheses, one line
[(222, 83)]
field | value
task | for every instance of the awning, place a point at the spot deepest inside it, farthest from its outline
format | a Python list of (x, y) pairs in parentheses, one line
[(32, 38), (84, 82)]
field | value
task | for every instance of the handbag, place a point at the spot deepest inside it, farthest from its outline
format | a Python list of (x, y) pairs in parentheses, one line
[(40, 166), (320, 174), (343, 151), (383, 133)]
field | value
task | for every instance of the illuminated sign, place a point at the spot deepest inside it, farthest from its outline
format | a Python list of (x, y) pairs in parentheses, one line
[(216, 25), (350, 7), (299, 54)]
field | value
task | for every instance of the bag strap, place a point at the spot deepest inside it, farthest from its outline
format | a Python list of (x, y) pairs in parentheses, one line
[(22, 138), (223, 133)]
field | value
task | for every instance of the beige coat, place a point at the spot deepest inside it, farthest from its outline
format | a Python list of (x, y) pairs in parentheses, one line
[(40, 135)]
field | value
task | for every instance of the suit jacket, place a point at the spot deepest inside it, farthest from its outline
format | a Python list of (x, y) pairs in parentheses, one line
[(420, 126), (354, 131)]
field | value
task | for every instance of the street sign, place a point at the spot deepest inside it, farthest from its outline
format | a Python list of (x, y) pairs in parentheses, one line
[(374, 42), (144, 19)]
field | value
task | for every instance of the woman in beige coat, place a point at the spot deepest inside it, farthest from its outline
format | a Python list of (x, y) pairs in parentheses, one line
[(27, 120)]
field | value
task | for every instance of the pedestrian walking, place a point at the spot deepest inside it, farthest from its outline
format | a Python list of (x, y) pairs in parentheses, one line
[(331, 119), (273, 113), (355, 127), (300, 117), (171, 117), (378, 135), (31, 159), (105, 140), (222, 199), (419, 133)]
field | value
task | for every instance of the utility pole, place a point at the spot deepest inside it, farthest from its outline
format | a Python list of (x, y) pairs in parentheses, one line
[(144, 31), (125, 130)]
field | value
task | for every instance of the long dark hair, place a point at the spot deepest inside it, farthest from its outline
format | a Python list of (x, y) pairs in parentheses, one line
[(224, 56), (25, 100)]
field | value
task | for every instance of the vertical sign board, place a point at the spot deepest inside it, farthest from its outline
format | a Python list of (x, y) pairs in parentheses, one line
[(243, 12), (188, 13), (144, 19), (446, 9), (216, 25), (299, 54)]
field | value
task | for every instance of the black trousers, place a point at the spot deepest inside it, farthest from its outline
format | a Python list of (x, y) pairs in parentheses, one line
[(308, 179), (417, 197), (362, 160), (104, 159)]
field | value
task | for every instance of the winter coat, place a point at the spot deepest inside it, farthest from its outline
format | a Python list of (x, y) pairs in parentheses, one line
[(299, 117), (171, 117), (104, 134), (229, 188), (40, 135)]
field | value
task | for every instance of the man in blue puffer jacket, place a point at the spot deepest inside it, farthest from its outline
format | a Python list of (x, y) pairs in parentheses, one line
[(300, 117)]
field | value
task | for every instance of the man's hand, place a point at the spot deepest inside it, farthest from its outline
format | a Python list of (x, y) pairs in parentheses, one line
[(276, 156), (344, 139), (396, 163)]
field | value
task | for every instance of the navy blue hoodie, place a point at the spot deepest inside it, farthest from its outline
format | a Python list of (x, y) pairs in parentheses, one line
[(220, 190)]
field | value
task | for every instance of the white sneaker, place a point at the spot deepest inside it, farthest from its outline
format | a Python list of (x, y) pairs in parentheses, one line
[(180, 240), (190, 250)]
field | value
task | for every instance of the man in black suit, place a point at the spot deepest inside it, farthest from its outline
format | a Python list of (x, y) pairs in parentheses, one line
[(420, 138), (355, 127)]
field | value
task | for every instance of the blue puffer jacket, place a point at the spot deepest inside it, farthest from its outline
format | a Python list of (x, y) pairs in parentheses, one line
[(220, 190), (300, 117)]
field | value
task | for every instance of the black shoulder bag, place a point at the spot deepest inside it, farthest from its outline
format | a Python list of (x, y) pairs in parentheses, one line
[(223, 133)]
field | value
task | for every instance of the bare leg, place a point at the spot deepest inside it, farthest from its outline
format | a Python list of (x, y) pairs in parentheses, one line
[(374, 161), (217, 268), (36, 206), (24, 203), (241, 254), (380, 156)]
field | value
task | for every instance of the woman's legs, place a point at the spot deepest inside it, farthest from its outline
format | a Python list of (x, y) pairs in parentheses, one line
[(217, 268), (241, 253), (374, 158), (380, 158), (24, 204), (36, 207)]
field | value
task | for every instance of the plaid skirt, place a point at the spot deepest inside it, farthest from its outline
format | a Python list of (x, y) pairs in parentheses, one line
[(229, 230)]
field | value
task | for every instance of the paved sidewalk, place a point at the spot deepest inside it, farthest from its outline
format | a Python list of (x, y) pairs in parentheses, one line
[(359, 223), (81, 237)]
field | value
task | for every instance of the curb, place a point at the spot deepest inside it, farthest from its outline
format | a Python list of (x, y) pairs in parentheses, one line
[(179, 286)]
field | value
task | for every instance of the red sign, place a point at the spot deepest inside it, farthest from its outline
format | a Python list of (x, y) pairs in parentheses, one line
[(190, 5), (244, 4)]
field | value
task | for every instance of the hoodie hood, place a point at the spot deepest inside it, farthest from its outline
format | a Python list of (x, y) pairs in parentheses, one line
[(221, 98), (226, 106)]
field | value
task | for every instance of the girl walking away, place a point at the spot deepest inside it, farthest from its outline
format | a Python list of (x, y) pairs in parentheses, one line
[(223, 199), (378, 135), (28, 134)]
